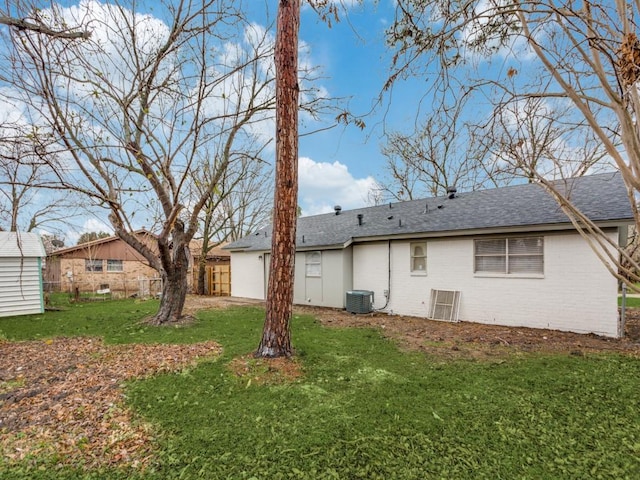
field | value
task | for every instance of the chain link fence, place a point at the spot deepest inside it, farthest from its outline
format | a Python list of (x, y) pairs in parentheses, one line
[(141, 287)]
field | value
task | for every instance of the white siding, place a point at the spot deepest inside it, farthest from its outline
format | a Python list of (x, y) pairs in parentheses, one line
[(20, 274), (248, 274), (20, 244), (20, 286), (576, 292), (329, 289)]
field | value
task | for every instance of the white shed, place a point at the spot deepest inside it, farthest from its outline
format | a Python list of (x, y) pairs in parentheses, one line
[(21, 256)]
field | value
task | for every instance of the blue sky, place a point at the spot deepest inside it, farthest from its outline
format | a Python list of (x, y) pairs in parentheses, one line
[(338, 166)]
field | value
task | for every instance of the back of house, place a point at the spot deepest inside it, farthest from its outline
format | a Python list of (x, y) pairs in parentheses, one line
[(21, 257), (507, 256)]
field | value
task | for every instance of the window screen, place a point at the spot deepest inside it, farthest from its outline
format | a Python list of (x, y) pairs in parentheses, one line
[(93, 265), (419, 257), (525, 255), (444, 305), (313, 264), (114, 266)]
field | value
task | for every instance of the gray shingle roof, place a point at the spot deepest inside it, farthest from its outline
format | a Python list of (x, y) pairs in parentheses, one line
[(602, 197)]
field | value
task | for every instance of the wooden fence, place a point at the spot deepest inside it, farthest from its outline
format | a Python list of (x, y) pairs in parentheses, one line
[(217, 280)]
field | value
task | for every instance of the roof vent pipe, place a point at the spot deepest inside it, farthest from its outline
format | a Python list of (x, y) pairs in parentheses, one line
[(337, 209), (360, 216), (451, 192)]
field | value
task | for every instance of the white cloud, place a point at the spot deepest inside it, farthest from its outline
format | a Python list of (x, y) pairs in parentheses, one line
[(323, 185), (255, 84), (517, 48)]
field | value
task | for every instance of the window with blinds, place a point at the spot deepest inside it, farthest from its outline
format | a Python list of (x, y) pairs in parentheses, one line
[(522, 255)]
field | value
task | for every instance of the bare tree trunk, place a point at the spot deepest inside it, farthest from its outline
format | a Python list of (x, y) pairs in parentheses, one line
[(276, 335), (174, 289), (202, 270)]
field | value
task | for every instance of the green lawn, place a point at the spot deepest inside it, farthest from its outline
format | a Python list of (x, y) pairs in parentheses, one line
[(363, 408), (630, 302)]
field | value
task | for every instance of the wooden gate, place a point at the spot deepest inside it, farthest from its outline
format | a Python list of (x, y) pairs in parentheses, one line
[(219, 280)]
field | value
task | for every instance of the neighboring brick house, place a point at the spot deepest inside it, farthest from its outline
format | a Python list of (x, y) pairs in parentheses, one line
[(106, 263), (507, 256)]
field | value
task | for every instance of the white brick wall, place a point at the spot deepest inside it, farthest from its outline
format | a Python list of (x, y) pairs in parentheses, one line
[(371, 269), (576, 293)]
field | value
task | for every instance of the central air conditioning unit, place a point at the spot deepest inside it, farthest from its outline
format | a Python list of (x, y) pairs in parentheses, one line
[(359, 301)]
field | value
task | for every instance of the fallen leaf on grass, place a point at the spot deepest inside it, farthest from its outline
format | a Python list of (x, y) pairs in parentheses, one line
[(62, 399)]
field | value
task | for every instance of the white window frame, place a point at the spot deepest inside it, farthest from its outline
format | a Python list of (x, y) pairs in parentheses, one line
[(93, 265), (313, 264), (118, 263), (509, 254), (413, 267)]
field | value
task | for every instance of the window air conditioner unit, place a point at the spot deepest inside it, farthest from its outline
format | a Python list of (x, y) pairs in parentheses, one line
[(359, 301)]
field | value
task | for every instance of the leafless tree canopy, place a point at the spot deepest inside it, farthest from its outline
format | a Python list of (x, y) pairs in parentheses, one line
[(29, 195), (37, 25), (33, 16), (560, 77), (142, 105), (436, 156)]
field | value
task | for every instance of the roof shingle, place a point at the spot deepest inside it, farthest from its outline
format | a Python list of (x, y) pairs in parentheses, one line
[(602, 197)]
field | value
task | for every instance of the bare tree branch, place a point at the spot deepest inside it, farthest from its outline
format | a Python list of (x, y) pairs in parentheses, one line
[(22, 24)]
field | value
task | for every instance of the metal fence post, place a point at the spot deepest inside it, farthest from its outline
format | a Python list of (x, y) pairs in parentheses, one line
[(623, 308)]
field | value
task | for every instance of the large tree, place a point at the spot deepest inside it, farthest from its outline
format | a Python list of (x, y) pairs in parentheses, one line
[(579, 53), (276, 334), (135, 108)]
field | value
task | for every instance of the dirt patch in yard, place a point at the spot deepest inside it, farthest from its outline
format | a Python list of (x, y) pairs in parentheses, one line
[(474, 340), (266, 371), (461, 339)]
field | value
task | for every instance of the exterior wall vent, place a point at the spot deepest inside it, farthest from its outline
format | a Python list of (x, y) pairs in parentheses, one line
[(359, 301), (444, 305)]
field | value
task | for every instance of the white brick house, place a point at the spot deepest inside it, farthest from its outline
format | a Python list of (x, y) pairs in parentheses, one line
[(510, 255)]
